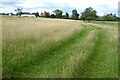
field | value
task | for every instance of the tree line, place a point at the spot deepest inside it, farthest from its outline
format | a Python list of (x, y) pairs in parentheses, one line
[(87, 15)]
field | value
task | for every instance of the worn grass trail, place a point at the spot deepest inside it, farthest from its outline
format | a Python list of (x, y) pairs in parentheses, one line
[(54, 57), (25, 64), (53, 66), (80, 50), (89, 51), (102, 60)]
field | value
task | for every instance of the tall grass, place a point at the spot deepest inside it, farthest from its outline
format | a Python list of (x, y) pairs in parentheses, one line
[(0, 47), (24, 39), (102, 62), (40, 48)]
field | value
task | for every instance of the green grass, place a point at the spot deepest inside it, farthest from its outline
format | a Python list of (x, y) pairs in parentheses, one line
[(102, 62), (89, 52), (0, 52), (24, 64), (108, 23)]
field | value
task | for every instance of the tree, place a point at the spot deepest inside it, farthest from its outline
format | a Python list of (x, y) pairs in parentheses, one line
[(19, 11), (66, 15), (63, 16), (52, 16), (89, 14), (109, 17), (37, 14), (58, 13), (75, 15), (46, 14)]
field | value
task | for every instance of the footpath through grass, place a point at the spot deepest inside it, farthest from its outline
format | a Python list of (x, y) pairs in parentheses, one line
[(102, 62), (89, 53), (23, 66), (53, 65)]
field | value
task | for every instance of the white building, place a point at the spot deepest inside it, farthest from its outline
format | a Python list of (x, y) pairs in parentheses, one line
[(28, 15)]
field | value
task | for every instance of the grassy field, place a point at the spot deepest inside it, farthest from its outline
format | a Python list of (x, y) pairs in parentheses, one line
[(57, 48), (0, 47)]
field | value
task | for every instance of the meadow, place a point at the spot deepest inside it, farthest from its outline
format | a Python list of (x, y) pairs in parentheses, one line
[(58, 48)]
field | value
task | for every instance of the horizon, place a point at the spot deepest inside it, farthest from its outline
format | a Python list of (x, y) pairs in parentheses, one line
[(31, 6)]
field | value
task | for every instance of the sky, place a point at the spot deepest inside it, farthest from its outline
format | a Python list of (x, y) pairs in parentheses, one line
[(101, 6)]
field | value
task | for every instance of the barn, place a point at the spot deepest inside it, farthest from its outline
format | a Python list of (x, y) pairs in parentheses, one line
[(27, 14)]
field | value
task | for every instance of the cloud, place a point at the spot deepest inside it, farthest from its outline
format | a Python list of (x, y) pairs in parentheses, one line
[(30, 4), (102, 6), (12, 0)]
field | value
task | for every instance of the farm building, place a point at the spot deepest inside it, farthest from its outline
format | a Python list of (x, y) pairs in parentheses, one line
[(27, 14)]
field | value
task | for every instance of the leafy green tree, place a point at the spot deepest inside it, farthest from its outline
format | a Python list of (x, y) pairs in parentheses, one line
[(47, 14), (75, 15), (58, 13), (52, 16), (89, 14), (37, 14), (66, 15), (19, 11), (109, 17)]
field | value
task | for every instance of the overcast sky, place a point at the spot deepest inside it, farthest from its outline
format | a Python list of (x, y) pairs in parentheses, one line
[(102, 6)]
